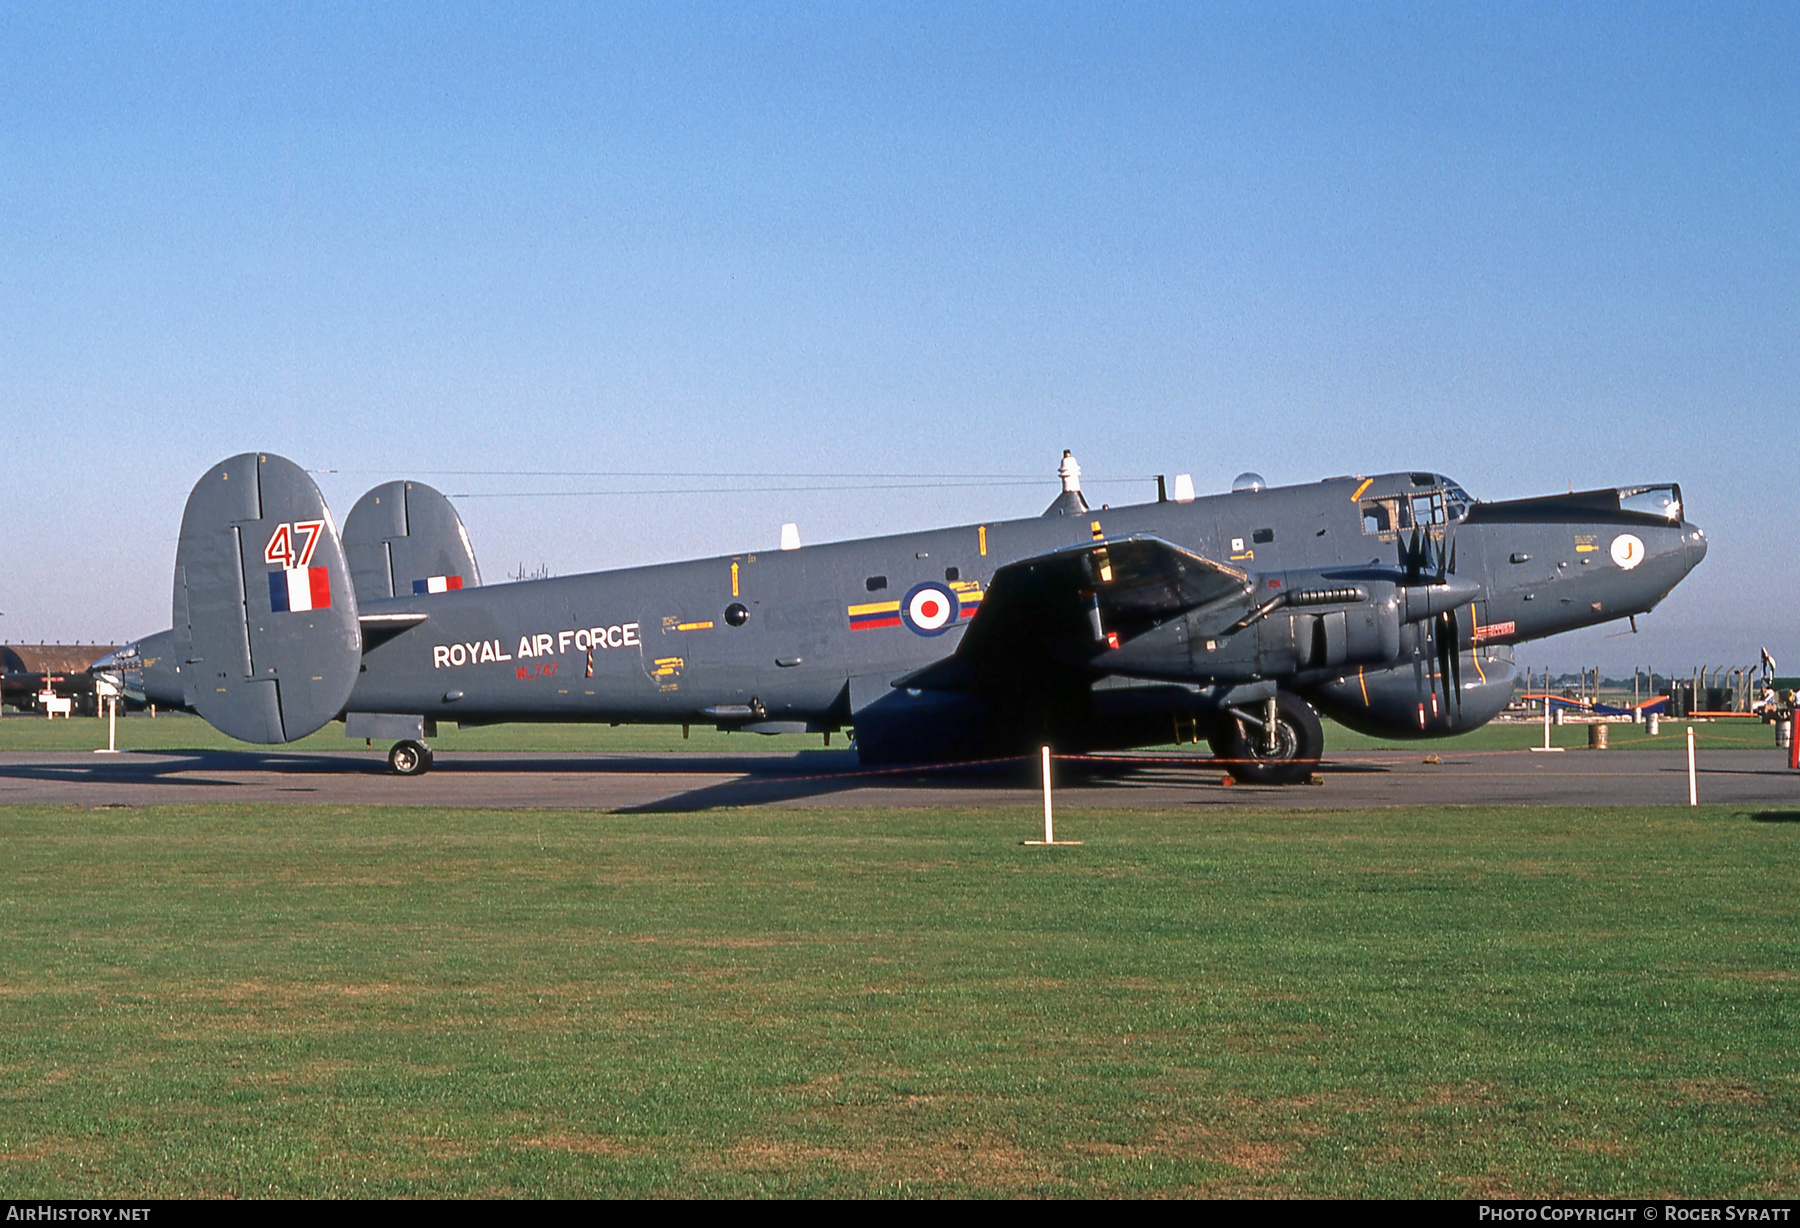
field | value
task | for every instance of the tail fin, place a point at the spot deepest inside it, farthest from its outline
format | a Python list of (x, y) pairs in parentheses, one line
[(265, 617), (404, 538)]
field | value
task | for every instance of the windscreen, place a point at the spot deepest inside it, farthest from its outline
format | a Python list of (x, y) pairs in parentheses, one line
[(1664, 501)]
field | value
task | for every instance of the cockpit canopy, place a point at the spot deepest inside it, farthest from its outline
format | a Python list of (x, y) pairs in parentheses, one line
[(1400, 502), (1663, 501)]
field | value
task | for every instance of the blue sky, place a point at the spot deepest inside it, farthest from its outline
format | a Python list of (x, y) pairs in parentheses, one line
[(1527, 246)]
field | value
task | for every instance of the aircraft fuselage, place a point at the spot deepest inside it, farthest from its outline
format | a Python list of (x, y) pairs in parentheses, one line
[(666, 643)]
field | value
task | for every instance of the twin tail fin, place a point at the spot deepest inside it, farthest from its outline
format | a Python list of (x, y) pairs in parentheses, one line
[(267, 637), (404, 539), (265, 614)]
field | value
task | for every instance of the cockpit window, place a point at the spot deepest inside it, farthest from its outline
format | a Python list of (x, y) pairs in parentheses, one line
[(1398, 513), (1428, 509), (1664, 501), (1387, 515)]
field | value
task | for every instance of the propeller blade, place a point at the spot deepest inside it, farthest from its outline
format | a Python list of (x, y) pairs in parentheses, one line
[(1421, 683), (1456, 659), (1445, 634)]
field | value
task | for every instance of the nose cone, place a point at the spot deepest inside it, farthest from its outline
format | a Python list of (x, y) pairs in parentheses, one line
[(118, 659), (1696, 545)]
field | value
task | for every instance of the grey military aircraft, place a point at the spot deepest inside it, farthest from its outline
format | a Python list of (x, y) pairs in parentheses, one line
[(1390, 602)]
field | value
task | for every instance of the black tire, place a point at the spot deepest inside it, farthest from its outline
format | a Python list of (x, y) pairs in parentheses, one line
[(1300, 740), (409, 758)]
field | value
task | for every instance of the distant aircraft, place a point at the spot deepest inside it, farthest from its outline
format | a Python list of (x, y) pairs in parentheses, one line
[(1390, 602)]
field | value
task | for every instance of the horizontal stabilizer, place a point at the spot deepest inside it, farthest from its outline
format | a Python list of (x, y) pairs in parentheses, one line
[(378, 629), (404, 539), (265, 632)]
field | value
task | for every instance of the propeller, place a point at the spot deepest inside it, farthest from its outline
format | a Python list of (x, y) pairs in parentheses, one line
[(1422, 565)]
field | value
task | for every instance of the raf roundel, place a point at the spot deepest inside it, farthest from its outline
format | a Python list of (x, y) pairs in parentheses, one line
[(1627, 551), (930, 609)]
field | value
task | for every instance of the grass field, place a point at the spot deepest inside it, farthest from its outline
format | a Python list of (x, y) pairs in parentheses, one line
[(182, 732), (1473, 1002)]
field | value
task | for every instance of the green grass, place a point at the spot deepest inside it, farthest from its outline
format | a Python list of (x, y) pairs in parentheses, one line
[(177, 731), (311, 1001)]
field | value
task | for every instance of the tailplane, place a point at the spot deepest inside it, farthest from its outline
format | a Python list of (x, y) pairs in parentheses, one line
[(265, 614)]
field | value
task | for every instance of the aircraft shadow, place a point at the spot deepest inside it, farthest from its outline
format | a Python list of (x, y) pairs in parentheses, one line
[(805, 777), (176, 767), (752, 779), (796, 779)]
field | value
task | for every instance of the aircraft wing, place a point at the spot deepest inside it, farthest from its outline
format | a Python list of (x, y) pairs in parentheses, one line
[(1055, 613)]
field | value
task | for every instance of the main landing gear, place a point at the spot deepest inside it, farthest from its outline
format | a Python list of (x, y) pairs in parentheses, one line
[(1256, 755), (409, 758)]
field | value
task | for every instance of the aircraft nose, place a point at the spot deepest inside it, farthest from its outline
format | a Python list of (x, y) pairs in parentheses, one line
[(1695, 540), (119, 658)]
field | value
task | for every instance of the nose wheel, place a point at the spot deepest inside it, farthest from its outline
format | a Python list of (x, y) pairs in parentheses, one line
[(409, 758)]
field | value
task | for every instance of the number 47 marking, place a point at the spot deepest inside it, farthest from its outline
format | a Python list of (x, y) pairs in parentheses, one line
[(281, 552)]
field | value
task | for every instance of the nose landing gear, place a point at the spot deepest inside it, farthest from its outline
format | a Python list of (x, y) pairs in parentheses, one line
[(409, 758)]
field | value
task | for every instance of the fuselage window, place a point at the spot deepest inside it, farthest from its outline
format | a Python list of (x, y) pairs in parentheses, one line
[(952, 575), (1263, 536), (875, 583)]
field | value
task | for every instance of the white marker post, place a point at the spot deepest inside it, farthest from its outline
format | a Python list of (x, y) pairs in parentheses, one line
[(1049, 829), (1693, 783), (112, 718), (1546, 745)]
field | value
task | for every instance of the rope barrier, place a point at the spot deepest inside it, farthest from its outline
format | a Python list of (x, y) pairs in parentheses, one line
[(1209, 764)]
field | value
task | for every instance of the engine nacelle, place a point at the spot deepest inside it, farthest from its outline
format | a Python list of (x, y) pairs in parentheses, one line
[(1321, 628), (1401, 702)]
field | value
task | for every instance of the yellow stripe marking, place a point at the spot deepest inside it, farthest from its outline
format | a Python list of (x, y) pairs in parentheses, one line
[(1367, 482), (982, 532), (734, 582), (706, 626), (1362, 681), (1475, 644), (876, 607)]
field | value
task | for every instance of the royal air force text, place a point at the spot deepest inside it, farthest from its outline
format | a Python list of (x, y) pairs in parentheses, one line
[(541, 644)]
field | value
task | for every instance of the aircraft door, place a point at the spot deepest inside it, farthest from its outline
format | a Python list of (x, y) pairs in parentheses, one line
[(700, 652), (794, 671)]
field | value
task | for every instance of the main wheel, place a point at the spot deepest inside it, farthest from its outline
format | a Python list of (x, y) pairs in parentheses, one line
[(410, 758), (1299, 741)]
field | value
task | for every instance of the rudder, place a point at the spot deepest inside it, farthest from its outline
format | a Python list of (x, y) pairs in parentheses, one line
[(265, 616)]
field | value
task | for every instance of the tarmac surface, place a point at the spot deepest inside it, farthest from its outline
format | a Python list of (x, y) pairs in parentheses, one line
[(677, 782)]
